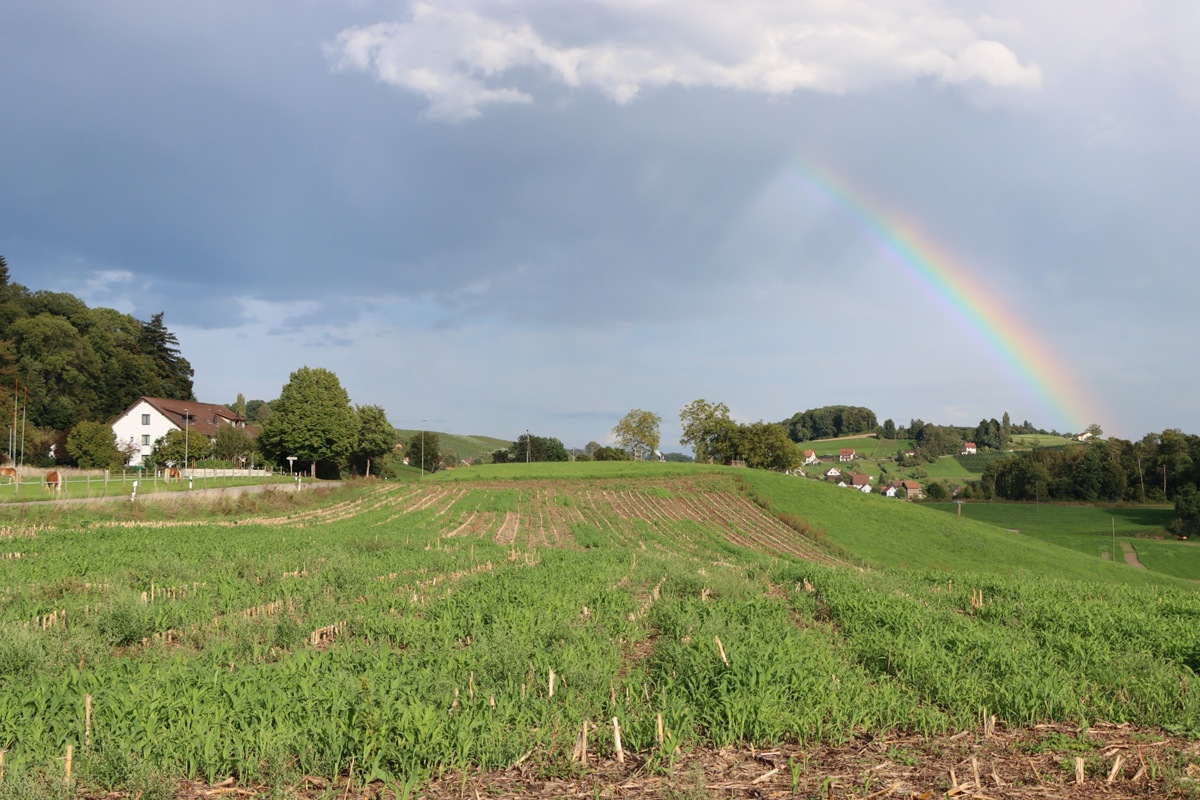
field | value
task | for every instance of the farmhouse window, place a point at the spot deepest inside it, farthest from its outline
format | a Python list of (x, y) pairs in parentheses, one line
[(146, 439), (145, 419)]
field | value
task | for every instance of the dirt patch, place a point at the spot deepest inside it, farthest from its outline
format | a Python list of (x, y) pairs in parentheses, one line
[(1047, 761), (1131, 557), (1036, 762)]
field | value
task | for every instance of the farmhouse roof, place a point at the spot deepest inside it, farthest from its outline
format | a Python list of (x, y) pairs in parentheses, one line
[(860, 479), (203, 418), (846, 451), (969, 444), (909, 485)]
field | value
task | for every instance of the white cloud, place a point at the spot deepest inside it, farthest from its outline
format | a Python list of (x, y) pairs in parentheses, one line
[(464, 58)]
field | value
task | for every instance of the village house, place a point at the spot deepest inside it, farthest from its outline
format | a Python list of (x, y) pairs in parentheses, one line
[(846, 454), (151, 418), (832, 472), (861, 481), (969, 449), (911, 489), (810, 458)]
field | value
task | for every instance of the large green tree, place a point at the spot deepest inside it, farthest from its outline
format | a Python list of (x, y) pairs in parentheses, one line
[(707, 428), (376, 438), (232, 443), (1187, 512), (171, 368), (93, 445), (424, 451), (766, 445), (638, 433), (313, 421), (528, 447)]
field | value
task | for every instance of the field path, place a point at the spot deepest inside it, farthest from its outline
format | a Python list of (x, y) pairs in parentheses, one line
[(1131, 557)]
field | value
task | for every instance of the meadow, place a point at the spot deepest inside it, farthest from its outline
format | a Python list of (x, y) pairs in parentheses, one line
[(386, 638)]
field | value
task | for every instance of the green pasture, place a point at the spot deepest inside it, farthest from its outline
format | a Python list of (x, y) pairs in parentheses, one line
[(864, 446), (79, 485), (393, 632), (1028, 441), (886, 532), (1093, 530)]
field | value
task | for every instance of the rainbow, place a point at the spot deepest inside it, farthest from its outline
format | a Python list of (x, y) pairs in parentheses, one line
[(965, 298)]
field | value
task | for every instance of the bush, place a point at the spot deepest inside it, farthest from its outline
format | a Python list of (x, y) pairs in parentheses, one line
[(93, 445)]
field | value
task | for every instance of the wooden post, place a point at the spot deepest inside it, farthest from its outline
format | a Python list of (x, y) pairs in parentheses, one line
[(87, 721), (67, 771), (721, 649), (1078, 771), (551, 681), (617, 741), (658, 730), (581, 745)]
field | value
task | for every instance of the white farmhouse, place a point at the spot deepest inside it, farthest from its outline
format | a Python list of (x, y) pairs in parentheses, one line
[(151, 418)]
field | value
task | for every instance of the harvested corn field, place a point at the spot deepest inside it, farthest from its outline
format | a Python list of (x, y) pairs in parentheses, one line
[(603, 636)]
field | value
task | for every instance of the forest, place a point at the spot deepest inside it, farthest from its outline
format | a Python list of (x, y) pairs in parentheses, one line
[(62, 363)]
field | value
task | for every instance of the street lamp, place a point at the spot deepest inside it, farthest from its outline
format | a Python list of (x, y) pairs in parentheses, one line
[(423, 447), (186, 416)]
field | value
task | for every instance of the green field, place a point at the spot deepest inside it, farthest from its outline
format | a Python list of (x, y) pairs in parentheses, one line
[(1093, 530), (464, 446), (867, 447), (382, 637)]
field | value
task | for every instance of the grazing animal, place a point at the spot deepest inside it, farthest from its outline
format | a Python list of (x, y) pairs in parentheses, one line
[(171, 474), (54, 481), (10, 472)]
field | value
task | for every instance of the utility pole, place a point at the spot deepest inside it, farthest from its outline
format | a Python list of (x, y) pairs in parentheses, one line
[(423, 447), (527, 445)]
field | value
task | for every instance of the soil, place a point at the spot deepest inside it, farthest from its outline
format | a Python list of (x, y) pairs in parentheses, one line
[(1047, 762)]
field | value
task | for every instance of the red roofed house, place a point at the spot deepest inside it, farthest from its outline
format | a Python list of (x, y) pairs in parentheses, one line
[(846, 454), (911, 489), (861, 481), (151, 418), (969, 449), (811, 457)]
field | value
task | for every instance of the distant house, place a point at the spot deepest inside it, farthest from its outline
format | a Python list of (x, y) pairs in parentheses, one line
[(151, 418), (811, 457), (891, 490), (846, 454), (832, 472), (861, 481), (969, 449), (911, 489)]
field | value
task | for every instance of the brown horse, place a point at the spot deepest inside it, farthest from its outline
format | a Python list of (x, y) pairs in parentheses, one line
[(10, 472), (170, 474), (54, 481)]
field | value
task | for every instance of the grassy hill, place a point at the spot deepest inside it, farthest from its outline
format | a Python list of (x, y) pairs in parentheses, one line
[(465, 446)]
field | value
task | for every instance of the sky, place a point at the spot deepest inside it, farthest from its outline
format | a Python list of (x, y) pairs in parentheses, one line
[(494, 217)]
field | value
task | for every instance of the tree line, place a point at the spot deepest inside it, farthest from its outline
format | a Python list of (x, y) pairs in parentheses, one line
[(63, 363)]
